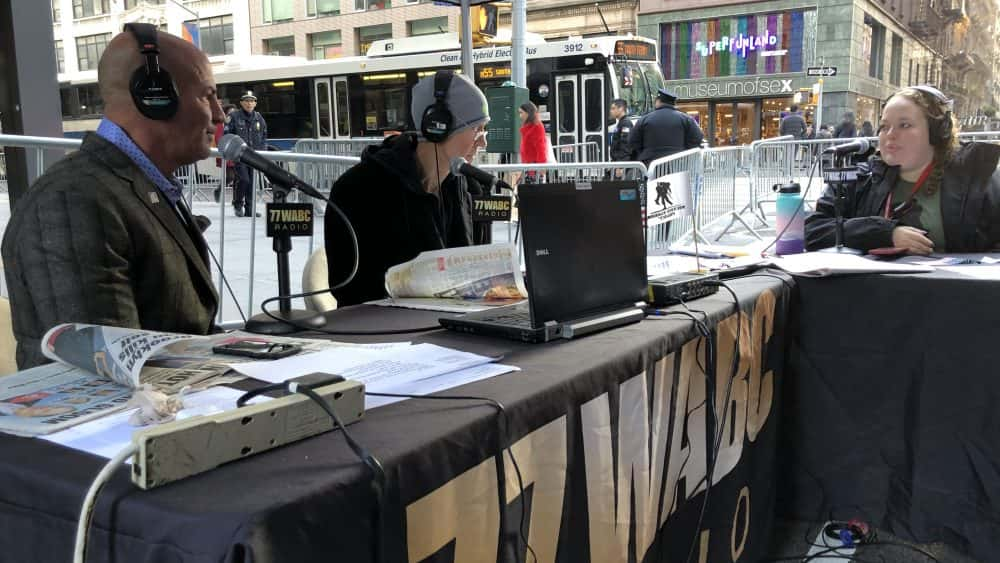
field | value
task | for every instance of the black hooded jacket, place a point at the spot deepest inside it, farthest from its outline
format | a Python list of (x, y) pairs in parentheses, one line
[(394, 218), (970, 205)]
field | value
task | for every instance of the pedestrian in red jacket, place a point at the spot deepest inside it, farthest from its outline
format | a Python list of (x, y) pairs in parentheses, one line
[(534, 146)]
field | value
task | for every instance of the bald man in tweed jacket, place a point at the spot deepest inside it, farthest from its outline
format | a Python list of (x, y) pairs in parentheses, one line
[(103, 236)]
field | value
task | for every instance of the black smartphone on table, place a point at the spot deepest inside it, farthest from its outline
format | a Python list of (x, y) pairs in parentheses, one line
[(258, 349)]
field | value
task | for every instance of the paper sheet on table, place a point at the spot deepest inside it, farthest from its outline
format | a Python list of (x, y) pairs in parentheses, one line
[(820, 264), (990, 272), (397, 366), (435, 384), (659, 266), (108, 435)]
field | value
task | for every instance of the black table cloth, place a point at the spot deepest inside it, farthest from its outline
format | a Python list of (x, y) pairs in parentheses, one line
[(890, 412), (611, 433)]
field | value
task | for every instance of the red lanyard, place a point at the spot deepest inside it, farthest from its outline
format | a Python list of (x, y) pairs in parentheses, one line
[(916, 187)]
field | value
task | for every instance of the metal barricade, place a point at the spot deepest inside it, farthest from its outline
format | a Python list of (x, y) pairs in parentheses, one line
[(781, 160), (724, 173), (589, 151)]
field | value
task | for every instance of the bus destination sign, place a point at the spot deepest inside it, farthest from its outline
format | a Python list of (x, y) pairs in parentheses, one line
[(635, 50)]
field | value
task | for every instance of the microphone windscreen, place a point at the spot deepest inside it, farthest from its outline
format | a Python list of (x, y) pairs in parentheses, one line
[(231, 146), (456, 165)]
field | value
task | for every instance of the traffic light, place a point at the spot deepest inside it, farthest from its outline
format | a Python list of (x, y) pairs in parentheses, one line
[(484, 19)]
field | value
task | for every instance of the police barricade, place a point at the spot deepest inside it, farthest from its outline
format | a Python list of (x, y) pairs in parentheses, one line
[(725, 187), (322, 176), (577, 152), (782, 160)]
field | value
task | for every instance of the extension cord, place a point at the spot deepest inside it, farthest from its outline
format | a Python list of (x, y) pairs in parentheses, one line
[(179, 449)]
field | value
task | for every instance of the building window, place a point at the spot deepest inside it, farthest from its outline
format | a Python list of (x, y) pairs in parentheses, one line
[(60, 58), (325, 45), (896, 70), (873, 47), (87, 8), (909, 74), (322, 7), (129, 4), (428, 26), (56, 11), (89, 50), (284, 46), (370, 34), (278, 10), (216, 35), (362, 5)]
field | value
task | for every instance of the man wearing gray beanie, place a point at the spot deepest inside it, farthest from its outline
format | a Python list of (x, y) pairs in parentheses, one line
[(401, 198)]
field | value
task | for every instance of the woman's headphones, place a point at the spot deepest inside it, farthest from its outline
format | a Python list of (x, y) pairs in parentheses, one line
[(152, 88), (939, 128), (437, 121)]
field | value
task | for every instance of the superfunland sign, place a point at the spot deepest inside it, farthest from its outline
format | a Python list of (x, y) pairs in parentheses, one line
[(740, 45)]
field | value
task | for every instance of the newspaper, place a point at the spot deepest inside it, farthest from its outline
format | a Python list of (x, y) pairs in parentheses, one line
[(479, 276), (98, 367)]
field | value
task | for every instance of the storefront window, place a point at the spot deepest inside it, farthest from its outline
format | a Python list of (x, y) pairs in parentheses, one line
[(698, 112), (867, 111), (770, 116)]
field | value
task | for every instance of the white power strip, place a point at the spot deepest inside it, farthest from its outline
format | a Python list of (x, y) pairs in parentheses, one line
[(179, 449), (823, 543)]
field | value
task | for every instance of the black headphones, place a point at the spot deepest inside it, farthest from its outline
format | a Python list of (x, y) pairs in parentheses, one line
[(939, 128), (152, 88), (437, 121)]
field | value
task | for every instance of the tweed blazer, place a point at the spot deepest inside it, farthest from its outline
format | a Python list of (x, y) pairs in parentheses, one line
[(94, 241)]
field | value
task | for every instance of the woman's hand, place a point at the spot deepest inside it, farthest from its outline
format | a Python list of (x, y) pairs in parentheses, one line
[(912, 240)]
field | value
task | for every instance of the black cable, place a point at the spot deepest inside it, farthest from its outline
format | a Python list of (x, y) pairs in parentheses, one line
[(378, 473), (374, 465), (798, 208), (504, 445), (720, 423)]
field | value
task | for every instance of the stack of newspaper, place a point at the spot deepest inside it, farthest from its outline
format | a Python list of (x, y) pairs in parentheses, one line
[(459, 280)]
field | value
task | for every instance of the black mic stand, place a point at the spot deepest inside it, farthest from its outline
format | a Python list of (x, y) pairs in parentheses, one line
[(842, 175), (289, 320)]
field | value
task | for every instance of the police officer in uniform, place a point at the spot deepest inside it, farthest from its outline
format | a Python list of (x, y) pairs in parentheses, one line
[(618, 147), (664, 131), (250, 127)]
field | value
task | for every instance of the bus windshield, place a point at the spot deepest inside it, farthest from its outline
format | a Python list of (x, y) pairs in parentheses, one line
[(638, 82)]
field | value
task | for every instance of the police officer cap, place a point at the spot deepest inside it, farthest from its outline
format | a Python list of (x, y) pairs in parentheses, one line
[(665, 96), (248, 95)]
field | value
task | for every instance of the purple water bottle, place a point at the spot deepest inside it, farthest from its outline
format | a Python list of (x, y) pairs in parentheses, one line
[(791, 219)]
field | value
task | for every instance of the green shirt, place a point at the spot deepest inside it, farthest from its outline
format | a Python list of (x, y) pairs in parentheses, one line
[(925, 213)]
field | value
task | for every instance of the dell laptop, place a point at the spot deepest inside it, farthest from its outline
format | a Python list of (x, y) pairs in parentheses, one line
[(585, 258)]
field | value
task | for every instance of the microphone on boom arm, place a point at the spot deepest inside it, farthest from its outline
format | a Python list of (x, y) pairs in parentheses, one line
[(233, 148)]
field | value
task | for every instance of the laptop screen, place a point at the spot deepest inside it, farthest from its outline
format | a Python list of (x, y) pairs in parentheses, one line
[(583, 246)]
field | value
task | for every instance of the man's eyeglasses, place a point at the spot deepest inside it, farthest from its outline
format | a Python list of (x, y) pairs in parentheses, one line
[(481, 135)]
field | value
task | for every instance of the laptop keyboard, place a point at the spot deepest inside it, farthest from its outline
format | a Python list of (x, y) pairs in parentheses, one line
[(518, 315)]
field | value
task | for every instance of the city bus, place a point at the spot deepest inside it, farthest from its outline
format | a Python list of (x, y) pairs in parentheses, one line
[(572, 81)]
